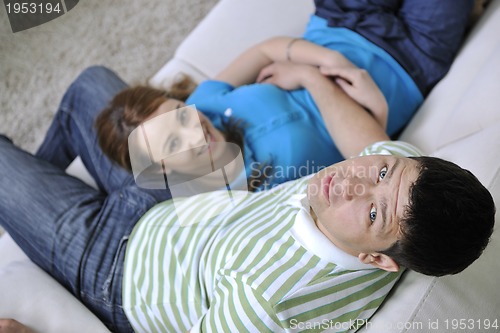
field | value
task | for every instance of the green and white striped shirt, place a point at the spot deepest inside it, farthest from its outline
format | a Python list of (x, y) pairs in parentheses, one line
[(246, 263)]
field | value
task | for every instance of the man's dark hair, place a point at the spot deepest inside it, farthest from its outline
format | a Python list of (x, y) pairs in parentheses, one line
[(448, 222)]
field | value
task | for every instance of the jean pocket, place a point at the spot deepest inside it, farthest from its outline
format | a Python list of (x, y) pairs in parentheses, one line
[(116, 270)]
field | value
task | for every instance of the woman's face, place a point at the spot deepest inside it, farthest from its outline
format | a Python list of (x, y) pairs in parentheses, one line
[(181, 138)]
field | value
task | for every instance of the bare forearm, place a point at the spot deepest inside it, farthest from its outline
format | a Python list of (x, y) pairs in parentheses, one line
[(245, 68), (304, 52), (358, 84), (350, 126)]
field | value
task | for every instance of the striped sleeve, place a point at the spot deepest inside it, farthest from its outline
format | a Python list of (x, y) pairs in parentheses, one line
[(341, 303), (236, 307), (190, 264), (398, 148)]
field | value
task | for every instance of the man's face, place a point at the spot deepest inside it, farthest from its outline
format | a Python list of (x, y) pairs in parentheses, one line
[(359, 202)]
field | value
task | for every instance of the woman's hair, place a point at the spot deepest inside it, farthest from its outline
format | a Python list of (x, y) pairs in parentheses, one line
[(448, 221), (132, 106)]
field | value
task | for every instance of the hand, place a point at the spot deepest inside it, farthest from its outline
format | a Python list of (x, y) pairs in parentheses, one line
[(358, 84), (13, 326), (286, 75)]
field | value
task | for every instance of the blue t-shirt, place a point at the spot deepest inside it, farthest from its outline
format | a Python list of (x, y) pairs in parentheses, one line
[(285, 128)]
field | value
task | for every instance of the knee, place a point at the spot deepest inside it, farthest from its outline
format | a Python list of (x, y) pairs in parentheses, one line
[(5, 142), (5, 139), (96, 84), (96, 73)]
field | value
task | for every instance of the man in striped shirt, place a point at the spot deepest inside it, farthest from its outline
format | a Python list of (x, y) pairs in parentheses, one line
[(307, 255), (319, 253)]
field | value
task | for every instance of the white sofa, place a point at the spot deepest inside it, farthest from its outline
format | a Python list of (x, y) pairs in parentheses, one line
[(459, 121)]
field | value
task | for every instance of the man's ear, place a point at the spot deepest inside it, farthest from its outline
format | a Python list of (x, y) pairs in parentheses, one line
[(379, 260)]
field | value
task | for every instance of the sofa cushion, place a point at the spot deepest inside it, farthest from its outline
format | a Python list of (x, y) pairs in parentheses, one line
[(229, 29), (36, 299)]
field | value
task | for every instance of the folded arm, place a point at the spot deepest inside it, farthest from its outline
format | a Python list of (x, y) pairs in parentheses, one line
[(358, 84), (246, 67), (351, 127)]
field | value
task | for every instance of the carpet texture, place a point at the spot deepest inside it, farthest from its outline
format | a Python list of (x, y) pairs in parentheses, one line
[(134, 38)]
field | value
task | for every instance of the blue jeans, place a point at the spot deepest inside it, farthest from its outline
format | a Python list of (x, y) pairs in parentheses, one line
[(74, 232)]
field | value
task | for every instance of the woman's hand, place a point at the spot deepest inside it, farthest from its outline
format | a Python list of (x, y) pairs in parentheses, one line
[(286, 75), (358, 84), (350, 126)]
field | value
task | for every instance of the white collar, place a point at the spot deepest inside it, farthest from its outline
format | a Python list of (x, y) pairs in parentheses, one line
[(312, 239)]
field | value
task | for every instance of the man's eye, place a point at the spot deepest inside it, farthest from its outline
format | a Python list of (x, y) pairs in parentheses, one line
[(382, 173), (373, 214)]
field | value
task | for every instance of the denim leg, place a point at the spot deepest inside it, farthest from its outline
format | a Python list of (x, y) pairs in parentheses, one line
[(72, 132), (72, 231), (437, 26), (422, 35)]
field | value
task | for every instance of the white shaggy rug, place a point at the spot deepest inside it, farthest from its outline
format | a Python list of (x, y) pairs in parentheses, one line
[(132, 37)]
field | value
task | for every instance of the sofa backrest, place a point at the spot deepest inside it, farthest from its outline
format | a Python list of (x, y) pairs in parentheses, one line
[(231, 27)]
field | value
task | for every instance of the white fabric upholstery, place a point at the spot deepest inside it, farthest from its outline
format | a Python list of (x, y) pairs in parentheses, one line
[(31, 296), (231, 27), (459, 121)]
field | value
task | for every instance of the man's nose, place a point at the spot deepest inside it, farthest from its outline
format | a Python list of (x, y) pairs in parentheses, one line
[(354, 187)]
